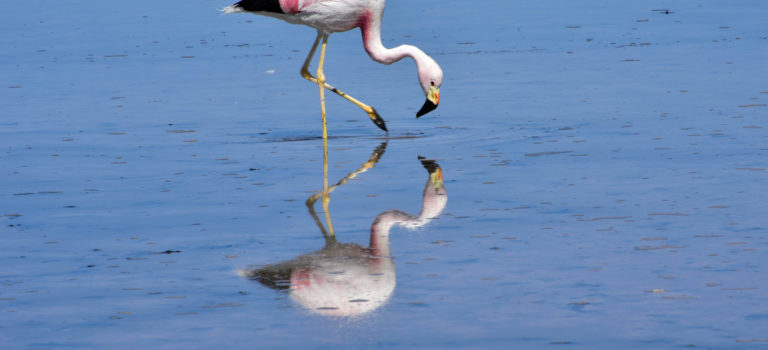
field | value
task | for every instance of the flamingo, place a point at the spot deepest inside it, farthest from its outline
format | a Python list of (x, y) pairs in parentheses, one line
[(331, 16), (346, 279)]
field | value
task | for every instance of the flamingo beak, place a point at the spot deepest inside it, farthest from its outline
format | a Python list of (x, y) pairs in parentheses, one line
[(433, 98), (437, 178), (435, 173)]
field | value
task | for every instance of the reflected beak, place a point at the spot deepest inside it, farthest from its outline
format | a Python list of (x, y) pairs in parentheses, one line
[(433, 98), (435, 173), (437, 178)]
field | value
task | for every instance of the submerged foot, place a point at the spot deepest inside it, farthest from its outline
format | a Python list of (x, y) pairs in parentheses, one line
[(376, 119)]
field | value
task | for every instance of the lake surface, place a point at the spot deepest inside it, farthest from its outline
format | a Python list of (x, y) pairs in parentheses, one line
[(603, 179)]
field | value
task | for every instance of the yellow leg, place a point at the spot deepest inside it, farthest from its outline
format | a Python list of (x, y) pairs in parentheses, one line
[(375, 117), (320, 82), (326, 192), (305, 67)]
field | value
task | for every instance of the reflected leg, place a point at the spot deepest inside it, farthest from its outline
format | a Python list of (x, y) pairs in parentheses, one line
[(310, 202), (326, 193)]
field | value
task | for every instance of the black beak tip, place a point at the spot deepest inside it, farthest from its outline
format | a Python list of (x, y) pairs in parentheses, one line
[(429, 164), (426, 108)]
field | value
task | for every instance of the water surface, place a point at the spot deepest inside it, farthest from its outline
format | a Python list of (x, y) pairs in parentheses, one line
[(605, 166)]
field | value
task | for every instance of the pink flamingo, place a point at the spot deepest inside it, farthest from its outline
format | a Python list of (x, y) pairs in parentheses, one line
[(345, 279), (331, 16)]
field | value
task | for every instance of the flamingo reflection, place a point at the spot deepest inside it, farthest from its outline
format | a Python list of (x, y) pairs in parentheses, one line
[(345, 279)]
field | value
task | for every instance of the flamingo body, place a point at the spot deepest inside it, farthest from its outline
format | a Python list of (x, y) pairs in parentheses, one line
[(327, 16), (331, 16), (345, 279)]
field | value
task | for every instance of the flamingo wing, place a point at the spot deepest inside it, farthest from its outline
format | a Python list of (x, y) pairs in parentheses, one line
[(260, 6)]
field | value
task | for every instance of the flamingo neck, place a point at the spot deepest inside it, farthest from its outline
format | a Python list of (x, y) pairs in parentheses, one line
[(381, 227), (370, 27)]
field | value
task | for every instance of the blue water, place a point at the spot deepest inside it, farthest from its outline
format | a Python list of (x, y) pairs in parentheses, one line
[(605, 168)]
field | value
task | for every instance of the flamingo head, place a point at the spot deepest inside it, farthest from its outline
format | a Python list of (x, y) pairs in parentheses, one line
[(430, 78)]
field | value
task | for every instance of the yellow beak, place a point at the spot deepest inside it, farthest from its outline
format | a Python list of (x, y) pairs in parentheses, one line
[(437, 177)]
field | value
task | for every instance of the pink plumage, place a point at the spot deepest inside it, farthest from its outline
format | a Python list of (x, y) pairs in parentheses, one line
[(331, 16)]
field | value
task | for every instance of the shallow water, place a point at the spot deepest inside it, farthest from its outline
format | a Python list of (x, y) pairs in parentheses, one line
[(605, 169)]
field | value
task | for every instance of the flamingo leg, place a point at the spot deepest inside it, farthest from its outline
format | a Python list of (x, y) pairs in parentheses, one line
[(375, 117), (326, 201), (320, 83), (310, 203), (305, 68)]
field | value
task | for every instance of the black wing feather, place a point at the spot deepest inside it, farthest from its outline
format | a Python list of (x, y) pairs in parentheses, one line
[(260, 6)]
